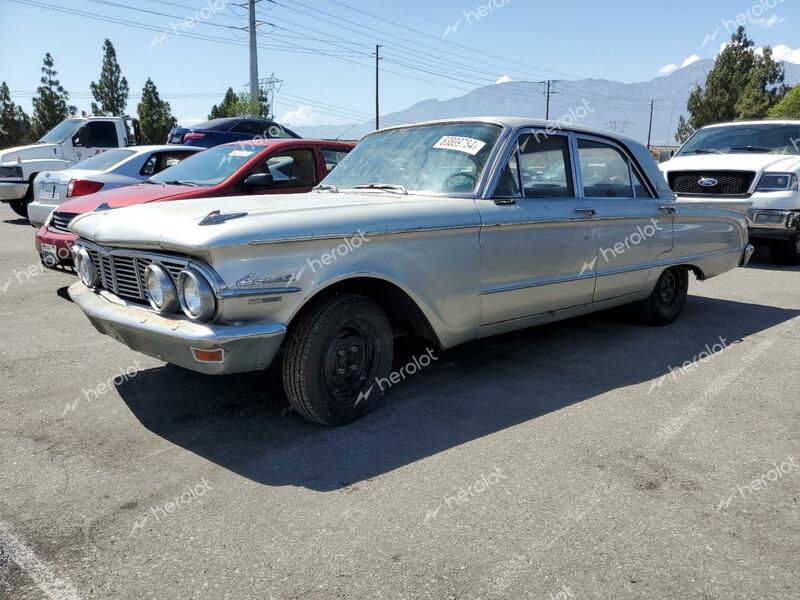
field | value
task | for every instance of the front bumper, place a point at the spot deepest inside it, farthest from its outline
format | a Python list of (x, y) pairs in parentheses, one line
[(247, 347), (773, 223), (13, 190), (63, 243)]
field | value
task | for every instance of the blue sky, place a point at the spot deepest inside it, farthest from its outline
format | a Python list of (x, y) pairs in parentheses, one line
[(433, 48)]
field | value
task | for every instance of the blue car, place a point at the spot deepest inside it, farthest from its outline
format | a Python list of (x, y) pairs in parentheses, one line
[(233, 129)]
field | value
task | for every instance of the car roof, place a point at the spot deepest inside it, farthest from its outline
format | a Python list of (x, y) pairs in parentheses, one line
[(751, 123), (160, 147), (267, 142), (520, 122)]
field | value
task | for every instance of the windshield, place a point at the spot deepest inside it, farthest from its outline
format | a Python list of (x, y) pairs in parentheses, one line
[(104, 160), (60, 132), (444, 158), (207, 168), (762, 138)]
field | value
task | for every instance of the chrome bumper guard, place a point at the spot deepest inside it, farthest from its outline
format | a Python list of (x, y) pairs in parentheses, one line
[(747, 254), (247, 347)]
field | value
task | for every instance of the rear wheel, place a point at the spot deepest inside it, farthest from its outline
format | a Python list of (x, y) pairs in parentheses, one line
[(335, 354), (666, 302)]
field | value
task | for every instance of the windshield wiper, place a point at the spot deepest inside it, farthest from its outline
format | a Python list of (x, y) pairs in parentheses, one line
[(756, 149), (176, 182), (151, 182), (395, 187), (325, 187), (701, 151)]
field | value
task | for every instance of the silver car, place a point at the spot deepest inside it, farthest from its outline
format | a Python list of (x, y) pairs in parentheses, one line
[(110, 169), (450, 230)]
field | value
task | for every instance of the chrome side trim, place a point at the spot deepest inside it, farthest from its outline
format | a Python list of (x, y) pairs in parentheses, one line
[(232, 293), (338, 236)]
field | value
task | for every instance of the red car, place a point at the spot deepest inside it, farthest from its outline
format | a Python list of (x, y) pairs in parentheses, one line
[(271, 166)]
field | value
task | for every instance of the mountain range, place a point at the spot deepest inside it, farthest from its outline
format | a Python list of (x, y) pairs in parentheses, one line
[(612, 105)]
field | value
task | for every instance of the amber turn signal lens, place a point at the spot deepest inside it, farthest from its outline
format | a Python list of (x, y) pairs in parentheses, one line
[(209, 356)]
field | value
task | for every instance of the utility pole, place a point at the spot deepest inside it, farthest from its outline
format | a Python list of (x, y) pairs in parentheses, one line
[(548, 93), (650, 130), (377, 87), (253, 55)]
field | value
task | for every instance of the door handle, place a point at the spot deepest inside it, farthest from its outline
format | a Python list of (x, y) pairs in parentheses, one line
[(586, 212), (669, 209)]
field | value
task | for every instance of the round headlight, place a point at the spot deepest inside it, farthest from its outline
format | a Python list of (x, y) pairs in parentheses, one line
[(196, 295), (161, 291), (84, 265)]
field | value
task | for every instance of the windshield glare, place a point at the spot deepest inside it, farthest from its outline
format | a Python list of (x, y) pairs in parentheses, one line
[(104, 160), (447, 158), (60, 132), (207, 168), (766, 138)]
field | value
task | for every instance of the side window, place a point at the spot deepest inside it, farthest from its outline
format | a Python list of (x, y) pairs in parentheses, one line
[(332, 157), (605, 171), (170, 159), (545, 166), (250, 127), (290, 168), (149, 167), (639, 188), (101, 134), (508, 184)]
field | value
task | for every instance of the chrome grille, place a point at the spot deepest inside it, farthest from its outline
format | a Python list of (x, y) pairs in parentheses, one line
[(122, 271), (61, 221), (729, 183)]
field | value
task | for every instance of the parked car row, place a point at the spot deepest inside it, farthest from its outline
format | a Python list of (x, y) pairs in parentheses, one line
[(451, 230)]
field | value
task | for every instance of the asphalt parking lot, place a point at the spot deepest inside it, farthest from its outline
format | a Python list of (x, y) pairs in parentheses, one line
[(590, 459)]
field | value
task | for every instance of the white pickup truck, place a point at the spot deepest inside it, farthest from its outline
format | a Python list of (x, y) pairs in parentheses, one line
[(751, 166), (69, 142)]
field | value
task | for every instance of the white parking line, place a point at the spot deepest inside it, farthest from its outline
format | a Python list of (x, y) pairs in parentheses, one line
[(43, 574)]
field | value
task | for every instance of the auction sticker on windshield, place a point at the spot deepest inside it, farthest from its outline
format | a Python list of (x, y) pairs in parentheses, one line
[(461, 144), (242, 153)]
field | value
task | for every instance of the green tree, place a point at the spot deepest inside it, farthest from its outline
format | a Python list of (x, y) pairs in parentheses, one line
[(15, 125), (112, 89), (789, 107), (234, 105), (742, 85), (50, 107), (684, 131), (155, 115)]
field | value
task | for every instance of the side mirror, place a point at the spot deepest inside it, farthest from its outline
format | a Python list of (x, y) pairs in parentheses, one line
[(258, 180)]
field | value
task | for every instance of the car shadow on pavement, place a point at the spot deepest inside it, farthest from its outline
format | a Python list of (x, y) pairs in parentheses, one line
[(240, 422), (17, 221)]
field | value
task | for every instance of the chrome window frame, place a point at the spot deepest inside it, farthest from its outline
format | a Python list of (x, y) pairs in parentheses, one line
[(633, 167)]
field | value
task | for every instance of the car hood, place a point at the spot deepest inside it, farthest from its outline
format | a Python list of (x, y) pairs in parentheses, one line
[(12, 155), (127, 196), (272, 218), (732, 162)]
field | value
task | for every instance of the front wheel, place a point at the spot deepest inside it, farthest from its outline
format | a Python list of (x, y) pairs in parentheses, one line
[(337, 356), (666, 302)]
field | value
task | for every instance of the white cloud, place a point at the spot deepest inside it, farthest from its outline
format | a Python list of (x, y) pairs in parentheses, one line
[(503, 79), (302, 115), (668, 69), (784, 52), (771, 22), (671, 68), (690, 60)]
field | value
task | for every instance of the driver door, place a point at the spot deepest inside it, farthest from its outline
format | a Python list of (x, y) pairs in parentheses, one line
[(538, 239)]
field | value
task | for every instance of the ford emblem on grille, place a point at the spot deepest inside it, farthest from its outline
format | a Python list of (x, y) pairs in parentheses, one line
[(708, 182)]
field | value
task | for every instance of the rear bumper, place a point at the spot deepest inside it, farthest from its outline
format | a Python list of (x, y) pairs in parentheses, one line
[(13, 190), (773, 223), (38, 212), (747, 254), (247, 347), (63, 243)]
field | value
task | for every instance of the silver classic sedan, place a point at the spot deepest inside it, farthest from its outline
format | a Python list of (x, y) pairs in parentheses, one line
[(451, 230), (110, 169)]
